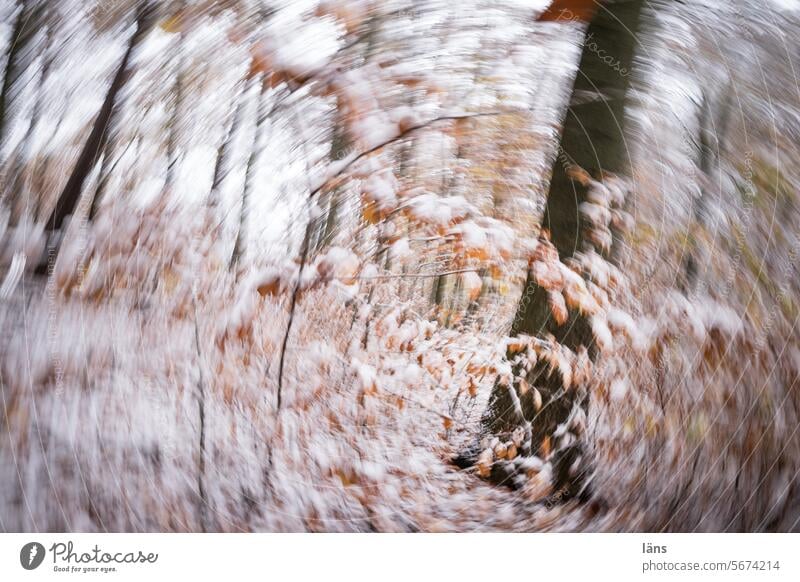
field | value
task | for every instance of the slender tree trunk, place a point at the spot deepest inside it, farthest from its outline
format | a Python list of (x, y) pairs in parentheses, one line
[(68, 200), (711, 140), (175, 121), (25, 28), (19, 56), (326, 225), (17, 176), (201, 415), (106, 169), (593, 139), (223, 153), (263, 116)]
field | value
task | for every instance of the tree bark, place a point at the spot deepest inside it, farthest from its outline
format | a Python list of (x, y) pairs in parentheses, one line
[(175, 122), (92, 149), (16, 175), (26, 26), (255, 151), (593, 138), (710, 145), (324, 227), (223, 152)]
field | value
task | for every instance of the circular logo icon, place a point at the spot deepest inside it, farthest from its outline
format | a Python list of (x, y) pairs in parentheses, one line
[(31, 555)]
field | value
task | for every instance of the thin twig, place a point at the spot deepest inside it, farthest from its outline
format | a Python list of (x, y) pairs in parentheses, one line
[(292, 306), (201, 409), (344, 167), (293, 301)]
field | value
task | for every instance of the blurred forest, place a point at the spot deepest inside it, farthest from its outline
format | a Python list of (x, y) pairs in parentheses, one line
[(399, 265)]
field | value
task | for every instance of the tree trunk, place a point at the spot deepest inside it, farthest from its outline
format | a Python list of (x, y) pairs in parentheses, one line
[(26, 26), (92, 149), (223, 152), (255, 151), (17, 176), (593, 139), (710, 145), (324, 227), (175, 122)]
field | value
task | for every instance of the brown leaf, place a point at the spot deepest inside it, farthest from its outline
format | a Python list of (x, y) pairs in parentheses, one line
[(484, 464), (472, 387), (545, 447), (537, 400), (558, 307), (578, 174), (547, 275), (269, 288), (511, 450)]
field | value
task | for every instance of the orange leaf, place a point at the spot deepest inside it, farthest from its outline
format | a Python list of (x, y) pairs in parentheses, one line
[(472, 388), (545, 447), (371, 213), (269, 288), (558, 307)]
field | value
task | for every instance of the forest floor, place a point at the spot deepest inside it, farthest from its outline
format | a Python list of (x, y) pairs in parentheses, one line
[(119, 418), (167, 411)]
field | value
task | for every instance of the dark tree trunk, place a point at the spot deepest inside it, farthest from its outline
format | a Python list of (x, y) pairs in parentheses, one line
[(95, 143), (593, 139), (26, 26)]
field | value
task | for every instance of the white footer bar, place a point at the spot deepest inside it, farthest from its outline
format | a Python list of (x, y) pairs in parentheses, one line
[(401, 557)]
